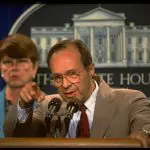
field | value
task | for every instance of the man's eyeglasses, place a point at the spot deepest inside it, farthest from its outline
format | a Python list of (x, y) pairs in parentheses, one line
[(72, 76)]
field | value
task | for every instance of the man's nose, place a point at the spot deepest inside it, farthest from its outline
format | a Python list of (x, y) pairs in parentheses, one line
[(65, 82)]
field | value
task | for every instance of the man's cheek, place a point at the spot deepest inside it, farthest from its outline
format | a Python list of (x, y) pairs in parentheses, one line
[(26, 69)]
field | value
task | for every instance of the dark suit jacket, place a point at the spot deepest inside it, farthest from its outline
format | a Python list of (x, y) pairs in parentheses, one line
[(118, 112)]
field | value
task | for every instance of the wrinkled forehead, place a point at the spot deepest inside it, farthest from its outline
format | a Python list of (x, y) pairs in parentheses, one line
[(65, 56)]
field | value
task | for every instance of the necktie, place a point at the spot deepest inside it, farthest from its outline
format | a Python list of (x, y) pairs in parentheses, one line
[(83, 124)]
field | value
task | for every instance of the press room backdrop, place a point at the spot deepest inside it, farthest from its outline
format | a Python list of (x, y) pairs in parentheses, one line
[(57, 15), (8, 15)]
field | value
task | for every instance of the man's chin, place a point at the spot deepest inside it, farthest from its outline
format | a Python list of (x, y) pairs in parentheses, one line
[(70, 99)]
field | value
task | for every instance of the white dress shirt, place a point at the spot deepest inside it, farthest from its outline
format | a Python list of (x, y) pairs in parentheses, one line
[(90, 104)]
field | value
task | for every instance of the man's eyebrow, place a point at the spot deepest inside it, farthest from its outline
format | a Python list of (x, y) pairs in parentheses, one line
[(71, 70), (65, 72)]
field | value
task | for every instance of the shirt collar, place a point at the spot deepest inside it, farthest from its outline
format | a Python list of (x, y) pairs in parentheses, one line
[(90, 103)]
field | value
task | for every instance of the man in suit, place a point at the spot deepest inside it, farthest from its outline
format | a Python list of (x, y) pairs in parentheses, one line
[(112, 113)]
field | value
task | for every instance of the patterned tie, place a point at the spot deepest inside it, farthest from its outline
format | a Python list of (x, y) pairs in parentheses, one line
[(83, 124)]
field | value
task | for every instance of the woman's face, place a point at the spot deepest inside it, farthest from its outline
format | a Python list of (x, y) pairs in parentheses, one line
[(17, 72)]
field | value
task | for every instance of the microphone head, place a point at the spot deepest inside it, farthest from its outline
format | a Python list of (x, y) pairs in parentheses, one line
[(55, 102), (73, 104)]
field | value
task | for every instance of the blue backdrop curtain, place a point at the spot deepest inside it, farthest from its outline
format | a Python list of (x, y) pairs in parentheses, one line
[(9, 13)]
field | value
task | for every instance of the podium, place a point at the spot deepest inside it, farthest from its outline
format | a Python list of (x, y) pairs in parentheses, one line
[(68, 143)]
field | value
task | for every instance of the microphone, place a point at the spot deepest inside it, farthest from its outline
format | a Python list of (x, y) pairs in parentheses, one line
[(53, 107), (72, 107)]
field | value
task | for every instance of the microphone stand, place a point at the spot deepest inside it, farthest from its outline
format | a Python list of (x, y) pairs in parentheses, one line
[(48, 124), (67, 123), (58, 127), (53, 106), (72, 107), (67, 120)]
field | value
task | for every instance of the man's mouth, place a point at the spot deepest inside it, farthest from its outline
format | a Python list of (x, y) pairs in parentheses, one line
[(70, 94)]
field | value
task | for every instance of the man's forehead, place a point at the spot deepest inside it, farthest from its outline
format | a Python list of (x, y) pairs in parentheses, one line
[(66, 54), (69, 70)]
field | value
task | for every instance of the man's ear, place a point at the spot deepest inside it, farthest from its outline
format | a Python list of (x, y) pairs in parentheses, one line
[(91, 70)]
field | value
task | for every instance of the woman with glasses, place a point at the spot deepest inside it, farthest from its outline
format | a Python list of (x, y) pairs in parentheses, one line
[(18, 63)]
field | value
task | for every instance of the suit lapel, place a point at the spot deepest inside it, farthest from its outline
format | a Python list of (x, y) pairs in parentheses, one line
[(104, 111)]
